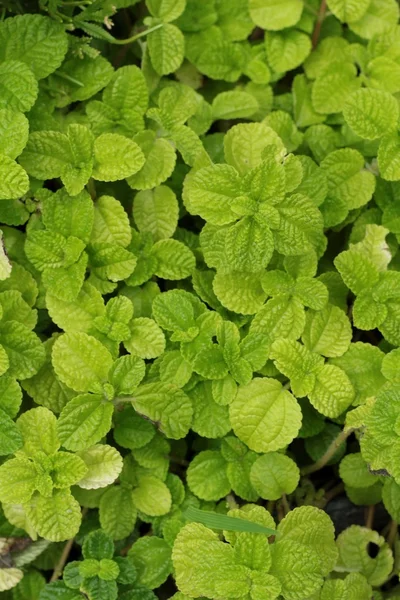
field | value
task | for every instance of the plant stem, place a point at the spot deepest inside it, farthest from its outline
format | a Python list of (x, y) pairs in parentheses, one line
[(64, 556), (317, 29), (338, 489), (392, 534), (63, 559), (285, 504), (369, 518), (319, 464), (137, 36)]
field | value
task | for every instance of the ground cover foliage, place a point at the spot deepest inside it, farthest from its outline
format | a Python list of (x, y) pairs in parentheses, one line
[(199, 299)]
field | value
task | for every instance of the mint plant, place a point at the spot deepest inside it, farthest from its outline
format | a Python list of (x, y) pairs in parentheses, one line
[(199, 299)]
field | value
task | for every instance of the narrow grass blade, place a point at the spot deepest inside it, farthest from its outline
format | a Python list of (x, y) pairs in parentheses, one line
[(217, 521)]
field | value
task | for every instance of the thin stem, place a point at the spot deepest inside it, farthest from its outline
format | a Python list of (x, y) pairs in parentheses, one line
[(280, 511), (336, 491), (179, 461), (285, 504), (65, 553), (63, 559), (369, 518), (317, 29), (137, 36), (320, 464), (392, 534)]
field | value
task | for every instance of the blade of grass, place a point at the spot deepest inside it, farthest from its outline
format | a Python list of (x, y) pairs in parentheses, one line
[(218, 521)]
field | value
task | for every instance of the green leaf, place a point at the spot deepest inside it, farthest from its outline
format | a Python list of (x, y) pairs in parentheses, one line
[(15, 308), (104, 464), (24, 349), (300, 227), (30, 587), (66, 282), (206, 476), (264, 415), (79, 314), (166, 10), (126, 374), (175, 369), (391, 498), (374, 569), (98, 545), (312, 528), (84, 421), (332, 89), (9, 578), (287, 49), (18, 86), (269, 14), (380, 17), (327, 331), (146, 338), (348, 11), (160, 158), (93, 72), (11, 438), (174, 260), (151, 496), (311, 292), (282, 316), (166, 404), (111, 261), (388, 161), (126, 92), (81, 362), (117, 512), (11, 396), (200, 547), (56, 518), (116, 157), (273, 475), (210, 420), (234, 105), (156, 211), (354, 471), (363, 364), (209, 192), (298, 363), (166, 49), (333, 392), (220, 59), (131, 430), (69, 215), (39, 42), (244, 145), (17, 477), (14, 180), (47, 155), (111, 223), (38, 427), (14, 129), (239, 292), (151, 557), (174, 311), (371, 113), (97, 589)]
